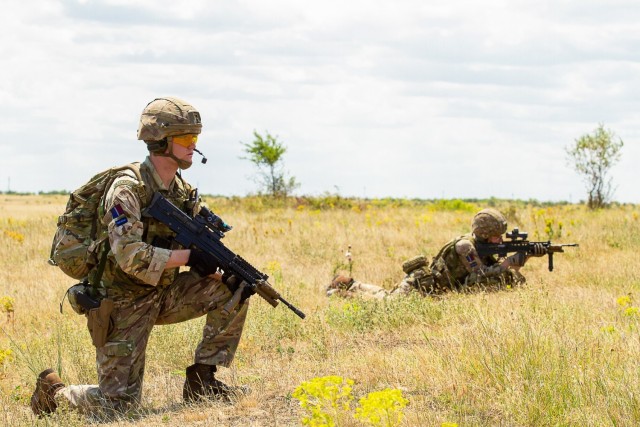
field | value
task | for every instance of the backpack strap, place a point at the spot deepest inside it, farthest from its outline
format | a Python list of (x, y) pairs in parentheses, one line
[(183, 184), (451, 244), (140, 189)]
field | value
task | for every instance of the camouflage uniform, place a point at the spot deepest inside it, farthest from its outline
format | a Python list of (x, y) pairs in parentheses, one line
[(457, 267), (145, 294)]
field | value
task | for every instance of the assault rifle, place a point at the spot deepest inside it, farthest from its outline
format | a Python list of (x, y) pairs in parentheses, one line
[(518, 243), (204, 232)]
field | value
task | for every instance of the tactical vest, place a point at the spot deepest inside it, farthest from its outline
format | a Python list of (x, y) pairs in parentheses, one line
[(447, 268)]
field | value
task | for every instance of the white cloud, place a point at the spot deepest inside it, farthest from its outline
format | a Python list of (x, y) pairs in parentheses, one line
[(380, 98)]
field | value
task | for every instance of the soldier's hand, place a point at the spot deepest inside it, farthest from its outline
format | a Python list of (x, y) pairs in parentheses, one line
[(201, 263), (538, 249), (517, 260)]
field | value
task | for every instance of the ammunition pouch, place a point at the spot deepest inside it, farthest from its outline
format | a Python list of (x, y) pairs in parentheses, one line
[(505, 279), (442, 277), (99, 322)]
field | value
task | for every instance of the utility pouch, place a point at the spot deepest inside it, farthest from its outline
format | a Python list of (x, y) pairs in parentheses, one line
[(99, 322), (414, 263), (80, 298), (118, 348), (424, 281)]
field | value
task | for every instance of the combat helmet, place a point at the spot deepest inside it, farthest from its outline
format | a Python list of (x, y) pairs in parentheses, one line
[(166, 117), (487, 223)]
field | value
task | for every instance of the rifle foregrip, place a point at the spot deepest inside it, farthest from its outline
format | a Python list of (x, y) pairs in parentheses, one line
[(266, 291), (235, 299), (267, 298)]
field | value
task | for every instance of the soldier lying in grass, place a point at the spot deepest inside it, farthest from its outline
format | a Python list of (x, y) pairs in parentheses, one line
[(456, 267)]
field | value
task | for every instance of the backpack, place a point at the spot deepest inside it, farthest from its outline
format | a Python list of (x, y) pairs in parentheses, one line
[(80, 232)]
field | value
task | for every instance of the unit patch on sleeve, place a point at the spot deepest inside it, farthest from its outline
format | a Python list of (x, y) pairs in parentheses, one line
[(472, 261), (118, 215)]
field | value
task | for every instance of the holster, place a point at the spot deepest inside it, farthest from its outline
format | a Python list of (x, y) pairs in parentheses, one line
[(99, 322)]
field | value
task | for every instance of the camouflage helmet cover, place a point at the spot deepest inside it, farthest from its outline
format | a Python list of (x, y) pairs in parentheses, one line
[(168, 116), (488, 223)]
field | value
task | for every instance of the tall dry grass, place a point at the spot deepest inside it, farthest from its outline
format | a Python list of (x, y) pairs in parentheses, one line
[(562, 350)]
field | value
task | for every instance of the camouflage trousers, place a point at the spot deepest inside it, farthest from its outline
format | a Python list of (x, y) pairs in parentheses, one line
[(121, 360), (355, 288), (368, 291)]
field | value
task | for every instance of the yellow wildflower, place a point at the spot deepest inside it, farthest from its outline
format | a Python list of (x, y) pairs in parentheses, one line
[(5, 355), (382, 408), (624, 301), (322, 397), (7, 304)]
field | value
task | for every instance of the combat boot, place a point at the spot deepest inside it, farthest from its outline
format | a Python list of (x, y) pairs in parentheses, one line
[(201, 383), (42, 399)]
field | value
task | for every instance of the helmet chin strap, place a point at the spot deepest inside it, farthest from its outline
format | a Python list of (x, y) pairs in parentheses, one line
[(182, 164)]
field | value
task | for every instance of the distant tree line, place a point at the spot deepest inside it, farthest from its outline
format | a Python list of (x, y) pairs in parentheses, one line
[(33, 193)]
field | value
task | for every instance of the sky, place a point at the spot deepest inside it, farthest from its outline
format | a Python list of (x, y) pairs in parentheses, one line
[(405, 98)]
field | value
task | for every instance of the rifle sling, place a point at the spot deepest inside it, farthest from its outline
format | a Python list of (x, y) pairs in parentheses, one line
[(95, 279)]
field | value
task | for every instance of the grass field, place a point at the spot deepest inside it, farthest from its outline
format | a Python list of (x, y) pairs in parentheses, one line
[(561, 350)]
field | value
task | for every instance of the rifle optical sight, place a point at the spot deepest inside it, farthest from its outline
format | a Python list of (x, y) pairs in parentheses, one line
[(214, 220), (515, 234)]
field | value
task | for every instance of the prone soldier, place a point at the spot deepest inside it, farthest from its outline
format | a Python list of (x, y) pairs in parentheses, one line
[(457, 267)]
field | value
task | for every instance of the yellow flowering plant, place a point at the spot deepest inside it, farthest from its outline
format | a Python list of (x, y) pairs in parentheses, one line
[(7, 304), (18, 237), (382, 408), (322, 398), (5, 355), (624, 301)]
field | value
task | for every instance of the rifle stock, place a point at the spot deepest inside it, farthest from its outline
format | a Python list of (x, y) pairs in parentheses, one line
[(202, 233)]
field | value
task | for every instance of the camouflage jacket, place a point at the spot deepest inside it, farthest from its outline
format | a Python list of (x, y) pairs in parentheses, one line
[(458, 264), (140, 246)]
